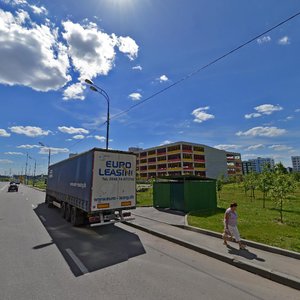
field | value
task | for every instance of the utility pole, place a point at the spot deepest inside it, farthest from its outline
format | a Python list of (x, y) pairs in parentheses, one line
[(25, 175)]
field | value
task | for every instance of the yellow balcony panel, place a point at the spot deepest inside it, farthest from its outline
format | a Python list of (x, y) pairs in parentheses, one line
[(175, 169), (174, 151), (198, 152), (188, 159), (161, 162), (200, 169)]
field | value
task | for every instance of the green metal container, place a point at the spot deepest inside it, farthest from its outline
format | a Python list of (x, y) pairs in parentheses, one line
[(185, 194), (161, 194)]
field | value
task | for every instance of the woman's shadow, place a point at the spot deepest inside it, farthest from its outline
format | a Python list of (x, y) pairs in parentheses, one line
[(244, 253)]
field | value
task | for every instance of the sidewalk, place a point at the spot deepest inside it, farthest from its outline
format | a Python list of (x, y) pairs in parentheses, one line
[(279, 268)]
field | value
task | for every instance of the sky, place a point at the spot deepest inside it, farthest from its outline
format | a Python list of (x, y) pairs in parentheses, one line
[(247, 102)]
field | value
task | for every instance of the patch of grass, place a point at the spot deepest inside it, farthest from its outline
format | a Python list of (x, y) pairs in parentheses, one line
[(38, 184), (256, 223), (145, 197)]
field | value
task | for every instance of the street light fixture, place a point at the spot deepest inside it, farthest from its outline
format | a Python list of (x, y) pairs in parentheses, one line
[(99, 90), (43, 145)]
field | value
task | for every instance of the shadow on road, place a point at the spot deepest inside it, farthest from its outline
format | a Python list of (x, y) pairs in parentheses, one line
[(244, 253), (96, 248)]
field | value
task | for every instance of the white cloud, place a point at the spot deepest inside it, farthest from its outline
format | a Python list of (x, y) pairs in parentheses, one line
[(6, 161), (100, 138), (128, 46), (262, 131), (33, 50), (200, 114), (264, 109), (14, 153), (267, 109), (135, 96), (255, 147), (251, 155), (138, 67), (264, 39), (166, 142), (30, 131), (252, 115), (280, 147), (38, 9), (297, 110), (227, 147), (74, 91), (284, 41), (288, 118), (4, 133), (28, 146), (78, 137), (72, 130), (45, 150), (163, 78), (93, 51)]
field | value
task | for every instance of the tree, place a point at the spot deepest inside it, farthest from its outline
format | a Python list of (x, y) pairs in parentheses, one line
[(265, 182), (279, 168), (220, 183), (250, 183), (283, 185)]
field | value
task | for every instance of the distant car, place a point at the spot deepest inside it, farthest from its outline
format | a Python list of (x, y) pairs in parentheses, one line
[(13, 187)]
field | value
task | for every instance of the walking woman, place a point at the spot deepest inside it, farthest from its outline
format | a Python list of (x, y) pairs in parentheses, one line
[(230, 225)]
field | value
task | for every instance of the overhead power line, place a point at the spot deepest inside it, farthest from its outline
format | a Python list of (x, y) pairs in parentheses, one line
[(193, 73)]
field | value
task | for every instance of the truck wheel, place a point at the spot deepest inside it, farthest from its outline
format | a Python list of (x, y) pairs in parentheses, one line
[(76, 217), (48, 201), (63, 210), (68, 212)]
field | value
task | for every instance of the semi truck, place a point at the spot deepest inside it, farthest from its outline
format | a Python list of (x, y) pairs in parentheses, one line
[(97, 187)]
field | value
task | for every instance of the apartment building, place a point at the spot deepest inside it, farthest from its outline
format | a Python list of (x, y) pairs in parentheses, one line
[(257, 165), (234, 163), (296, 163), (183, 158)]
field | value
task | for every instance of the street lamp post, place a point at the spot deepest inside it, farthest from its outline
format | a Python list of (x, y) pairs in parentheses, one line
[(26, 168), (33, 181), (99, 90), (43, 145)]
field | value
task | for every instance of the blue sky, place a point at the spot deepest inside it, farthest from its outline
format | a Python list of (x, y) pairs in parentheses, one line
[(247, 102)]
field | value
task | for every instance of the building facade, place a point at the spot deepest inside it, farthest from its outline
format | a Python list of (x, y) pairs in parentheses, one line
[(247, 167), (257, 165), (234, 163), (183, 158), (296, 163)]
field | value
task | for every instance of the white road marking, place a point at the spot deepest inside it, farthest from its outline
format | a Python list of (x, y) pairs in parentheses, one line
[(42, 218), (77, 261), (4, 187), (33, 206)]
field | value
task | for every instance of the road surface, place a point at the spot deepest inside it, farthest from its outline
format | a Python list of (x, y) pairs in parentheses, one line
[(44, 257)]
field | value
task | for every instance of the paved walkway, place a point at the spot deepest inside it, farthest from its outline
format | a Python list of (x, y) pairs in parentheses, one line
[(277, 267)]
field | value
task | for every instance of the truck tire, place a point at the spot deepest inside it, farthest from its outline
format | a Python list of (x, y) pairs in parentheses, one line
[(68, 212), (63, 210), (48, 201), (76, 217)]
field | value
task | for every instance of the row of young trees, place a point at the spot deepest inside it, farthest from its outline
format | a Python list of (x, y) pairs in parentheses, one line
[(274, 183)]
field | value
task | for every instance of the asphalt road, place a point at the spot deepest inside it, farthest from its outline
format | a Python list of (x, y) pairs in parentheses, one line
[(44, 257)]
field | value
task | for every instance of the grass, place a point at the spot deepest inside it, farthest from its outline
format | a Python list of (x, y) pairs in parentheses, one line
[(256, 223), (38, 184), (145, 198)]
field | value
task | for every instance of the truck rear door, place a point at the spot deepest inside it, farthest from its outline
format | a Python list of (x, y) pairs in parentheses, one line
[(114, 183)]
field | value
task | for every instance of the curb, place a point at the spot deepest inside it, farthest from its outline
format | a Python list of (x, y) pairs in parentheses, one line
[(256, 245), (276, 276)]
